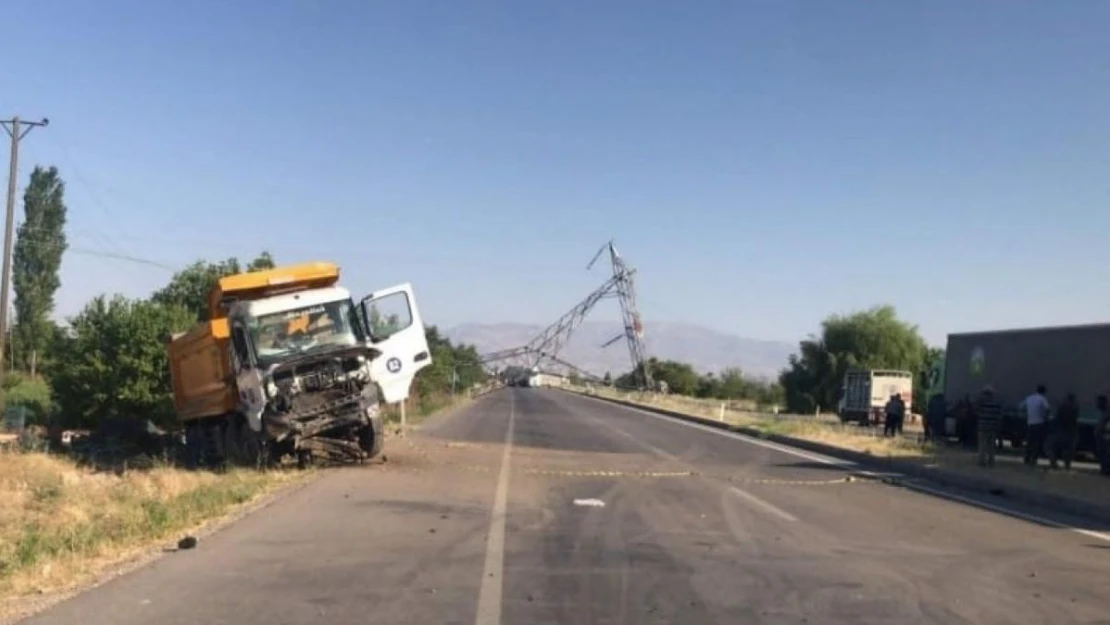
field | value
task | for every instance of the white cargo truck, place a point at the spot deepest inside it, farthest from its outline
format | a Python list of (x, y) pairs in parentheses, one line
[(865, 393)]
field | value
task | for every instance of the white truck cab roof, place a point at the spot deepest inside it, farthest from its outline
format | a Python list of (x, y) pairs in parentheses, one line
[(291, 301)]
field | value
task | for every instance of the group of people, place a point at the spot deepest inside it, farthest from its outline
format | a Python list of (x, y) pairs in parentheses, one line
[(895, 415), (1054, 431)]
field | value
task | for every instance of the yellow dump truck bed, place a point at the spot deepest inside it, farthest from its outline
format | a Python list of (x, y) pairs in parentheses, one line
[(203, 384)]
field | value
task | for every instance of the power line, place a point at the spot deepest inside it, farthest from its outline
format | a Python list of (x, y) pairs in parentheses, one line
[(105, 238)]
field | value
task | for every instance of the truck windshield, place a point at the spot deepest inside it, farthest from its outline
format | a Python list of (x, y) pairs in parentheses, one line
[(299, 330)]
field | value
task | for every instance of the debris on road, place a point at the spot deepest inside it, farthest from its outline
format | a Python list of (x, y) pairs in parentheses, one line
[(593, 503), (188, 542)]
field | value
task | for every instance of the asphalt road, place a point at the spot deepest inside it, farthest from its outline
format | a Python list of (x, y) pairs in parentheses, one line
[(485, 518)]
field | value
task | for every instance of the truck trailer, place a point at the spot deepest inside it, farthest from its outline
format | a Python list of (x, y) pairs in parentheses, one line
[(1066, 359), (288, 364), (865, 393)]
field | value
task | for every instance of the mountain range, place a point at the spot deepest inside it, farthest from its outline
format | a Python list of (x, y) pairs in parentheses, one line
[(705, 349)]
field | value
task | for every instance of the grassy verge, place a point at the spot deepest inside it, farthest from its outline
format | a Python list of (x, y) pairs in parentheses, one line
[(819, 429), (843, 436), (60, 525)]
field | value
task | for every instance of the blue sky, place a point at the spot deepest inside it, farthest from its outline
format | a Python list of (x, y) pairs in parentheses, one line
[(762, 164)]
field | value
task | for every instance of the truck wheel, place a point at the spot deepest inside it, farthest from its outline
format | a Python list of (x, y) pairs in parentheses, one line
[(194, 446), (244, 446), (252, 448), (370, 438)]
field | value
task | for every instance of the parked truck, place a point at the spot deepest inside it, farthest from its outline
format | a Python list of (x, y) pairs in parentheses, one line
[(1066, 359), (288, 364), (865, 393)]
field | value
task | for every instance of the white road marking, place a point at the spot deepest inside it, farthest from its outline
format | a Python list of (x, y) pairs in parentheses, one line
[(775, 510), (759, 503), (489, 594), (1007, 511), (855, 467)]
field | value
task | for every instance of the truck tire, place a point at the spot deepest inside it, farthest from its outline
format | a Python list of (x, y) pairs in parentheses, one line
[(371, 438), (245, 447), (194, 447)]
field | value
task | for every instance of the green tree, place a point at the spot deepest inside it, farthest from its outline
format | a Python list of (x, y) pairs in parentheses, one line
[(709, 386), (32, 393), (679, 376), (36, 261), (454, 367), (607, 379), (113, 361), (870, 339), (190, 287), (262, 262)]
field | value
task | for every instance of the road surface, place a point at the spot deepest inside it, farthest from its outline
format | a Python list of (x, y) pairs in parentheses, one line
[(492, 515)]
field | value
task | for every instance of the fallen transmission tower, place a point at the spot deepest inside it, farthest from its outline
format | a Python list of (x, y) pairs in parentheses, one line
[(545, 347)]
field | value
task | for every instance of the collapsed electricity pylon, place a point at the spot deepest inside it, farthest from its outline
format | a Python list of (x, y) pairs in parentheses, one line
[(545, 347)]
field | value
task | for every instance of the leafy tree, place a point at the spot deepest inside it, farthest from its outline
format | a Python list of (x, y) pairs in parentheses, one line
[(261, 262), (190, 287), (607, 379), (113, 362), (32, 393), (870, 339), (709, 386), (36, 261), (680, 377), (454, 367)]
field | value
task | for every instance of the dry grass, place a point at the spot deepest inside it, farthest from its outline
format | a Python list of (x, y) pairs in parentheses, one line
[(60, 525), (843, 436)]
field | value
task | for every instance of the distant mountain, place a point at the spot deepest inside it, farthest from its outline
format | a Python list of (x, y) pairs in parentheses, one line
[(707, 350)]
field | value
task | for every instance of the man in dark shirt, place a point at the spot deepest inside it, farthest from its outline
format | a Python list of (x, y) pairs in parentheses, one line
[(935, 415), (988, 418), (1102, 434), (1065, 432)]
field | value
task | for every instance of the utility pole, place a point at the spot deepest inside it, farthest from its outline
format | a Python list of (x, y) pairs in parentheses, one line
[(16, 129)]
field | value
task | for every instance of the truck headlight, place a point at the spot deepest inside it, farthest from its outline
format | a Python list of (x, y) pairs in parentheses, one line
[(271, 388)]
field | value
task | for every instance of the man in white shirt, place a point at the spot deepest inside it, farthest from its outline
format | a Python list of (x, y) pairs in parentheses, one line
[(1037, 413)]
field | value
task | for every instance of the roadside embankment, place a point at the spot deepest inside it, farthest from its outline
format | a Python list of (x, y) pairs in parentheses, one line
[(1082, 491)]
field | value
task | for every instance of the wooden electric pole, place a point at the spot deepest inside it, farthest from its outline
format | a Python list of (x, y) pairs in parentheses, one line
[(16, 129)]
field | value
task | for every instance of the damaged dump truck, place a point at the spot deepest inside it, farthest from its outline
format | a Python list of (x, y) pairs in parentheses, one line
[(288, 365)]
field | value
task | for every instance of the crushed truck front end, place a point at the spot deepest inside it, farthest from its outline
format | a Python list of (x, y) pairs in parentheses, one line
[(295, 371)]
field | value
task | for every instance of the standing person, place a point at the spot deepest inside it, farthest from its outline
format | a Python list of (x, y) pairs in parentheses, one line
[(1037, 410), (935, 414), (1065, 432), (888, 417), (988, 420), (895, 410), (900, 412), (1102, 434)]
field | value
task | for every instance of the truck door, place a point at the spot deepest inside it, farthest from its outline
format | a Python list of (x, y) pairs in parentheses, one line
[(396, 330)]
